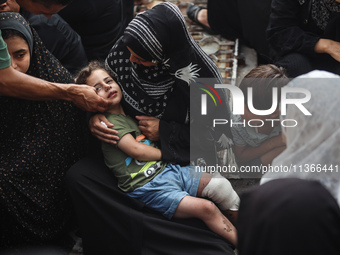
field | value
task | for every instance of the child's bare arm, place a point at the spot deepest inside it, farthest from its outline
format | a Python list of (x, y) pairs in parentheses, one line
[(247, 153), (137, 150)]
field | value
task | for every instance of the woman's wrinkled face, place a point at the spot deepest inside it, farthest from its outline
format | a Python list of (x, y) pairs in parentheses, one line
[(20, 54), (134, 58)]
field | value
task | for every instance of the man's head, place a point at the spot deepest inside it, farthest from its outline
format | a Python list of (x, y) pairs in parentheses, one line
[(45, 7), (10, 6)]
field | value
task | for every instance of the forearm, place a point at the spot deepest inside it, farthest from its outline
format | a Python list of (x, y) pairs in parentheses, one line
[(322, 46), (19, 85), (145, 152), (326, 46), (329, 47), (247, 153), (137, 150)]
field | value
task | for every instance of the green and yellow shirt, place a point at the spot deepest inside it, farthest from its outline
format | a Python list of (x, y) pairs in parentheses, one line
[(131, 173)]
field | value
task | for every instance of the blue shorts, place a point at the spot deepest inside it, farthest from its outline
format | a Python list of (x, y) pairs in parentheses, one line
[(164, 192)]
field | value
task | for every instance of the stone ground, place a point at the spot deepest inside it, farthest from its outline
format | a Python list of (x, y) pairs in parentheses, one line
[(246, 60)]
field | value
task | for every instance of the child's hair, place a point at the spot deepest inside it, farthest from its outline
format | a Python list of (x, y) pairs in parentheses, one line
[(263, 79), (9, 33), (87, 71)]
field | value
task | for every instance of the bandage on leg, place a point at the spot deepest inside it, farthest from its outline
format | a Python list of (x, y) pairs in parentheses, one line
[(220, 191)]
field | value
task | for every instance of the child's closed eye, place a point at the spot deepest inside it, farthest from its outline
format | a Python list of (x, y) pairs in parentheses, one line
[(98, 88)]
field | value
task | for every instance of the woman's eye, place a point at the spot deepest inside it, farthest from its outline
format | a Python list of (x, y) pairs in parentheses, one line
[(97, 88), (109, 81), (21, 55)]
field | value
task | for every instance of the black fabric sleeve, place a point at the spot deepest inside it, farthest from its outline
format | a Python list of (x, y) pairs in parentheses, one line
[(285, 35), (270, 211), (175, 142), (60, 39)]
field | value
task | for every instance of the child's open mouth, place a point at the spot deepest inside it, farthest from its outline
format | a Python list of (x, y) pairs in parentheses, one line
[(112, 94)]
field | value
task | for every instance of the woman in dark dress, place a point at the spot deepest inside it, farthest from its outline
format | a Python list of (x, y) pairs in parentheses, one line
[(157, 84), (40, 140)]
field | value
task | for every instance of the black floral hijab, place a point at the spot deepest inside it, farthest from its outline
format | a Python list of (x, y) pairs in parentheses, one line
[(321, 11), (158, 35)]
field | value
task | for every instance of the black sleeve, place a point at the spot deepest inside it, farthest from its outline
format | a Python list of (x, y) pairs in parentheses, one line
[(175, 141), (285, 33), (61, 40)]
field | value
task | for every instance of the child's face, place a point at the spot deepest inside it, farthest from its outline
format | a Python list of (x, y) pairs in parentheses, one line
[(20, 54), (105, 86)]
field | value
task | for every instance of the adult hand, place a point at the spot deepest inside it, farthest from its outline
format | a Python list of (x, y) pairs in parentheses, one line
[(103, 132), (328, 46), (19, 85), (149, 127), (86, 98)]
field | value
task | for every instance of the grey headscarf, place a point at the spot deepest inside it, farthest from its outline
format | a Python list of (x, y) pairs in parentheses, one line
[(12, 20)]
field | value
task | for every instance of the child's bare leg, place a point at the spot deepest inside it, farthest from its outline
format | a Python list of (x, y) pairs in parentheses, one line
[(207, 211), (204, 181), (231, 215)]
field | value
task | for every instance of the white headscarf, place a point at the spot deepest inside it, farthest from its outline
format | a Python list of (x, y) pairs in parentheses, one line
[(316, 139)]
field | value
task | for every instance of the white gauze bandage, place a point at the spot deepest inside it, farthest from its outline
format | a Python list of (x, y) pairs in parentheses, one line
[(220, 191)]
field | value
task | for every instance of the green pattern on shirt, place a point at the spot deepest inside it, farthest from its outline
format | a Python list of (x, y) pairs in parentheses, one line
[(5, 59), (131, 173)]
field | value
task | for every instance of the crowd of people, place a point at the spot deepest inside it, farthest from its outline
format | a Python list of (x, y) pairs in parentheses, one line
[(97, 137)]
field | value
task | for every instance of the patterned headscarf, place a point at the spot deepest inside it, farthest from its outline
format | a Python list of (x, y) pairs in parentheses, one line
[(9, 20), (159, 35), (313, 145), (321, 10)]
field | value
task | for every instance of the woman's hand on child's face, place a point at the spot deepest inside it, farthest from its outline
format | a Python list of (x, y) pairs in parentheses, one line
[(103, 132), (149, 127)]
